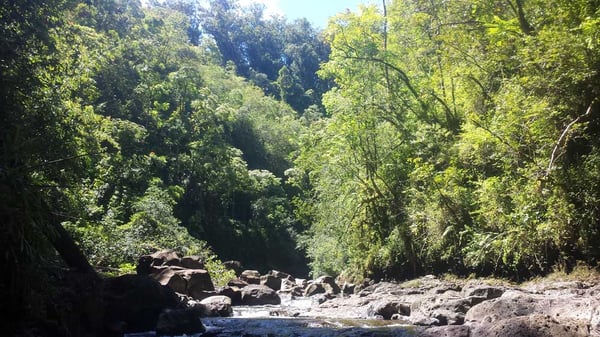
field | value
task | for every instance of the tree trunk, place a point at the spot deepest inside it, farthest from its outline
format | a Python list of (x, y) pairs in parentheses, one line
[(67, 248), (525, 26)]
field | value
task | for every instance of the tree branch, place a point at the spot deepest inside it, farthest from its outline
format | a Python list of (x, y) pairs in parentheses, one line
[(523, 23), (563, 135)]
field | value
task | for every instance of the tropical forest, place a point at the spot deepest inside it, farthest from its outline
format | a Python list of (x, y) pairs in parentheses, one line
[(406, 138)]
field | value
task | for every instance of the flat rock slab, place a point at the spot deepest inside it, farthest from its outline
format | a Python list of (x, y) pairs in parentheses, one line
[(531, 326)]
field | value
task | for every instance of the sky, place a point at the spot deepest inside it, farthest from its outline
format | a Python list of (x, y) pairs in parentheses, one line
[(316, 11)]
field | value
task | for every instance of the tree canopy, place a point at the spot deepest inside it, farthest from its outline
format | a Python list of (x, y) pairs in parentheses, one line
[(408, 137), (463, 137)]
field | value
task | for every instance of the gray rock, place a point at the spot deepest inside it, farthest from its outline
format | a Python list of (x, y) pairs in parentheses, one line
[(236, 282), (530, 326), (482, 290), (396, 317), (322, 298), (447, 287), (148, 264), (422, 320), (198, 280), (448, 317), (563, 307), (171, 278), (271, 282), (234, 293), (250, 276), (386, 308), (217, 306), (314, 289), (281, 275), (255, 294), (595, 321), (179, 322), (166, 257), (511, 304), (348, 288), (446, 331), (135, 302), (303, 283), (289, 286), (192, 262), (194, 282), (329, 284)]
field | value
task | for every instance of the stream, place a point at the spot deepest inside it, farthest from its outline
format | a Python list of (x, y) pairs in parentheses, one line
[(294, 318)]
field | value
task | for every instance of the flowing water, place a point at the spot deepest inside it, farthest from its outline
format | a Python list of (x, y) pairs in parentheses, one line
[(303, 327), (294, 318)]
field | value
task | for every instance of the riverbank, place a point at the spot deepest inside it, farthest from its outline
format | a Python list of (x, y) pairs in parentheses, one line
[(425, 307), (175, 296), (479, 307), (560, 305)]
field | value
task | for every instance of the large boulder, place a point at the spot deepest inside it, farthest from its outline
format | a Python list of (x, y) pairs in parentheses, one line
[(255, 294), (198, 281), (234, 293), (271, 282), (217, 306), (348, 288), (578, 306), (148, 264), (180, 322), (290, 287), (250, 276), (302, 283), (166, 257), (281, 275), (134, 302), (194, 282), (452, 311), (442, 304), (274, 279), (314, 289), (192, 262), (157, 262), (511, 304), (386, 308), (329, 284), (170, 277)]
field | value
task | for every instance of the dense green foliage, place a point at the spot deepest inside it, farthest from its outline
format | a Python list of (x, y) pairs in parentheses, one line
[(135, 140), (281, 58), (463, 137), (438, 136)]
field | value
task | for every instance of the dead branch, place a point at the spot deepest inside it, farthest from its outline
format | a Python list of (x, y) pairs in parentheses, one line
[(563, 135)]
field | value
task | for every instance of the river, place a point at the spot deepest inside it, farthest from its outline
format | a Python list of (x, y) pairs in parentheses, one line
[(294, 318)]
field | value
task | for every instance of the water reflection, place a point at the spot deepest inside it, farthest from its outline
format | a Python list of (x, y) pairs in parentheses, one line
[(304, 327)]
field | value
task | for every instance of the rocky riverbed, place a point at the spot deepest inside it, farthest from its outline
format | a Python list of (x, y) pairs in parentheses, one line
[(277, 304)]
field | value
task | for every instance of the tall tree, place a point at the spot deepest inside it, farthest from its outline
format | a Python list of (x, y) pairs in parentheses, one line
[(492, 107), (261, 48)]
